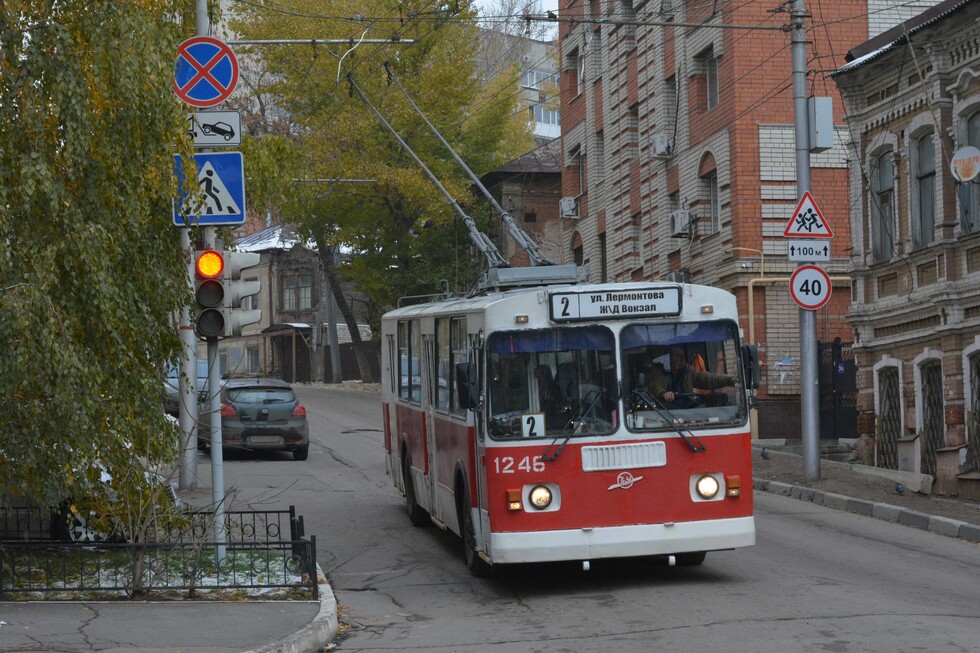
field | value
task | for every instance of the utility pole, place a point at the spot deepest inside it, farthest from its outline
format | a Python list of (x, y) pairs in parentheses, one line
[(809, 376)]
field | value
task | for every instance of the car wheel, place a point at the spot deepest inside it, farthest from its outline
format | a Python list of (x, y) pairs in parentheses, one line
[(477, 565), (301, 453), (416, 514), (77, 529)]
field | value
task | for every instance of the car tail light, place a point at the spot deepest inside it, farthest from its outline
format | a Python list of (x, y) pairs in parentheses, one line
[(227, 410), (299, 411)]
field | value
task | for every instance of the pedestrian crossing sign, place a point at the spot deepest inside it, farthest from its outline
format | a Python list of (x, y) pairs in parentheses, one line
[(218, 196), (807, 221)]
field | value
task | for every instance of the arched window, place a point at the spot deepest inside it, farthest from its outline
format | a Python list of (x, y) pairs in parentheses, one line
[(883, 208), (924, 189), (711, 213)]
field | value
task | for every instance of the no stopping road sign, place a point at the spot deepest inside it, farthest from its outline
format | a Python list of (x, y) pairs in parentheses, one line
[(810, 287)]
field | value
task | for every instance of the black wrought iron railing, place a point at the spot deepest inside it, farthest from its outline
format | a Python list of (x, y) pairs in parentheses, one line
[(265, 554)]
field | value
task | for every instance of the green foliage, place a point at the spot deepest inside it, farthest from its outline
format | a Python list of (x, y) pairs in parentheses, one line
[(91, 269), (340, 138)]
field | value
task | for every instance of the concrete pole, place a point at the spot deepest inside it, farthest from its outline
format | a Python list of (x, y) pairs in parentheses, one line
[(809, 389)]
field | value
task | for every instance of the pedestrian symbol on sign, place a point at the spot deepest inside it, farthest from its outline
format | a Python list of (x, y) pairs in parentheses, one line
[(217, 199), (808, 221)]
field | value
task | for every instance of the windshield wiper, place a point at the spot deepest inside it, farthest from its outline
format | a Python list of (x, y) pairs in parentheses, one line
[(690, 439), (575, 422)]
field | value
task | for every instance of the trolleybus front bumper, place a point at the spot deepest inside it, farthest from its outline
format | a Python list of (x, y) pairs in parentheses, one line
[(622, 541)]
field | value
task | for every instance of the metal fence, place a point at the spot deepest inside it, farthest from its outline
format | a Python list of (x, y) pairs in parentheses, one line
[(264, 552)]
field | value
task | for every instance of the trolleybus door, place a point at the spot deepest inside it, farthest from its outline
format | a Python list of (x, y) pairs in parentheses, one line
[(480, 433), (428, 403)]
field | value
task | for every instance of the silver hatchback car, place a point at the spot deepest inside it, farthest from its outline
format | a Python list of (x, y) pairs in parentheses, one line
[(261, 414)]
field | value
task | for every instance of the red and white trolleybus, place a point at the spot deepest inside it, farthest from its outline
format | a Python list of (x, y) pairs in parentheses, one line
[(572, 421)]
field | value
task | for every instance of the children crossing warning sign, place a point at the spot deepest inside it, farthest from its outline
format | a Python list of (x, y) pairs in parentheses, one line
[(807, 221)]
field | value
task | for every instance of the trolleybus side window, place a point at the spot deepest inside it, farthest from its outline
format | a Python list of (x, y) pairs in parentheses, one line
[(443, 365), (566, 375), (451, 348), (682, 373), (409, 367)]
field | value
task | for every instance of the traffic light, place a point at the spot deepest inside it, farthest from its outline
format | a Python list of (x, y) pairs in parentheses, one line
[(209, 293), (235, 290)]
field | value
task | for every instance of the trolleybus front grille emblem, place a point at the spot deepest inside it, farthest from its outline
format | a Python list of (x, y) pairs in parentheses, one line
[(625, 481)]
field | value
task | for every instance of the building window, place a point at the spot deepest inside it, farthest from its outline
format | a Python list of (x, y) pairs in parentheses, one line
[(576, 163), (970, 193), (250, 302), (297, 292), (882, 208), (709, 64), (924, 216), (538, 79), (709, 183), (253, 360), (545, 115), (575, 65)]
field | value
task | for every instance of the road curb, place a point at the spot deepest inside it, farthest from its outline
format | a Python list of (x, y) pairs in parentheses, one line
[(315, 635), (884, 511)]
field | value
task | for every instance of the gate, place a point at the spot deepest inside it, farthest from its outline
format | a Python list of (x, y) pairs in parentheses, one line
[(973, 428), (933, 436), (837, 376), (888, 428)]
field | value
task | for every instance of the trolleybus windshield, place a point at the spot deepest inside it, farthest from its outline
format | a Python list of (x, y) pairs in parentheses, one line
[(552, 382), (682, 374)]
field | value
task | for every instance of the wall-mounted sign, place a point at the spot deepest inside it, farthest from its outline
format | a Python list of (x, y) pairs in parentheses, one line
[(965, 163)]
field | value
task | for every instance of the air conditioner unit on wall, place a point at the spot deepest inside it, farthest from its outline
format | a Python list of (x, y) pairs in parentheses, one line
[(681, 225), (568, 207), (660, 145), (680, 276)]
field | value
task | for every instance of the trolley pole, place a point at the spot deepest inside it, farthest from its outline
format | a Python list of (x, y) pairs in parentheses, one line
[(809, 389)]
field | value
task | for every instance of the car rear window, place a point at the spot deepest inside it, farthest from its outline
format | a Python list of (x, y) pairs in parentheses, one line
[(260, 395)]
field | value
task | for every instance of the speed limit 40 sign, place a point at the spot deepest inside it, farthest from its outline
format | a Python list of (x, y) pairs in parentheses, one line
[(810, 287)]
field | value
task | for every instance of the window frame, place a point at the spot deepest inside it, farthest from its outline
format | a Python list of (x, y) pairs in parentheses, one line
[(882, 209)]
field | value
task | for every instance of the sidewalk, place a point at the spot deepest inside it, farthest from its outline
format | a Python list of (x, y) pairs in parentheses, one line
[(896, 496), (309, 626), (169, 626)]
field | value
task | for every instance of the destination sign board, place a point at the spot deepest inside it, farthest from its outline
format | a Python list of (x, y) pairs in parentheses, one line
[(615, 304)]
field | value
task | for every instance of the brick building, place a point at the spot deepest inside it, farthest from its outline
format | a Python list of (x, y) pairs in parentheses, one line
[(913, 101), (679, 158), (529, 188)]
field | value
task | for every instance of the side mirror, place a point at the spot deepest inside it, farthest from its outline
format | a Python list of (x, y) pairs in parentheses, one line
[(467, 386), (750, 366)]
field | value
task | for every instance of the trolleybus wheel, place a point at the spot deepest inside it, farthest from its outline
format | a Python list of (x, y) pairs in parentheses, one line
[(416, 514), (477, 565)]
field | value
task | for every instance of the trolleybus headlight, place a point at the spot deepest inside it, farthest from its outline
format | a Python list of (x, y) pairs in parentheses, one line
[(540, 497), (707, 487)]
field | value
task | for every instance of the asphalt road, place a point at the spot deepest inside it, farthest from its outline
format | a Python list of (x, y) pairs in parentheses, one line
[(817, 580)]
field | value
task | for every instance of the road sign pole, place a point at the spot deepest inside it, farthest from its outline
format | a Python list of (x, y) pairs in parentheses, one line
[(810, 418)]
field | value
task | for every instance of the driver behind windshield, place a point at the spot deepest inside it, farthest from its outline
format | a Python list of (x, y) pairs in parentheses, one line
[(676, 386)]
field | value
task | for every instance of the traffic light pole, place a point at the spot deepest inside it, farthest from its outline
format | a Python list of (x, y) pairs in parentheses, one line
[(809, 390), (216, 449)]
